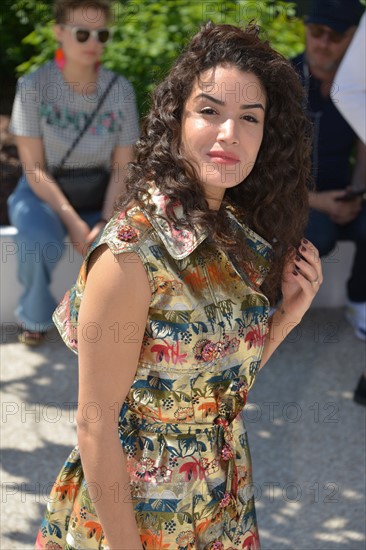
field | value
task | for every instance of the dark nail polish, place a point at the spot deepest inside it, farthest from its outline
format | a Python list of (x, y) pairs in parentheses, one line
[(295, 272), (297, 258), (303, 248), (305, 241)]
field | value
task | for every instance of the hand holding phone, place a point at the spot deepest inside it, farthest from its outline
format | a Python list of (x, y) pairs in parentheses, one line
[(352, 194)]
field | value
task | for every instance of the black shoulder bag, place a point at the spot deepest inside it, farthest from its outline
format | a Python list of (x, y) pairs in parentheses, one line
[(84, 187)]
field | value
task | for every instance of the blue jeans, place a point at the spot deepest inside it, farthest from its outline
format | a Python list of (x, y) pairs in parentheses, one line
[(40, 245), (324, 234)]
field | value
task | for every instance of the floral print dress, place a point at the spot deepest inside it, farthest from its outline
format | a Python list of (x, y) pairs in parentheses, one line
[(181, 426)]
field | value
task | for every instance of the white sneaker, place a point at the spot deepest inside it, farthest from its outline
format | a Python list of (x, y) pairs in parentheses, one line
[(356, 316)]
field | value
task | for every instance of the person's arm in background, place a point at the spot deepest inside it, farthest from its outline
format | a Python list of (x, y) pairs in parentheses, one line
[(350, 81), (121, 157), (123, 153), (31, 154), (330, 203)]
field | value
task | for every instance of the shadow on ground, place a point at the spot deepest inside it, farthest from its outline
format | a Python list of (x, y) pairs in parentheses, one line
[(307, 437)]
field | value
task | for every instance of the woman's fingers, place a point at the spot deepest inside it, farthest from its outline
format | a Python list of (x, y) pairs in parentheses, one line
[(308, 264)]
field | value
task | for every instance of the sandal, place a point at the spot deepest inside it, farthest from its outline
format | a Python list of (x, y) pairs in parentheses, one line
[(30, 338)]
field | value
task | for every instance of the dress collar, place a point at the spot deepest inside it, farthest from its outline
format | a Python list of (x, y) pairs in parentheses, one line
[(181, 242)]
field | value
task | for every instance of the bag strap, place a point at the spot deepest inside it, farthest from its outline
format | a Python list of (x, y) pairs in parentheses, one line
[(89, 121)]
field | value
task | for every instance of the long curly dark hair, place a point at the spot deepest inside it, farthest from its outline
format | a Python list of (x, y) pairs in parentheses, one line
[(273, 198)]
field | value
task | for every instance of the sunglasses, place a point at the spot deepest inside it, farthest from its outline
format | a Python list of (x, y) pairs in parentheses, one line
[(82, 34), (317, 31)]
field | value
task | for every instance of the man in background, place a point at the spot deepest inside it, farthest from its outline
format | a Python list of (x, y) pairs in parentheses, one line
[(337, 208)]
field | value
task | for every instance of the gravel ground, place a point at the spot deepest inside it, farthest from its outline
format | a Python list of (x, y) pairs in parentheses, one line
[(307, 436)]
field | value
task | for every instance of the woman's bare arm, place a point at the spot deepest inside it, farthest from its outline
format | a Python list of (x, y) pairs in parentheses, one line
[(112, 322), (121, 157), (31, 154)]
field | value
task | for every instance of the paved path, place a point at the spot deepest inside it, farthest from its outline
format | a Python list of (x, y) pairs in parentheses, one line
[(307, 437)]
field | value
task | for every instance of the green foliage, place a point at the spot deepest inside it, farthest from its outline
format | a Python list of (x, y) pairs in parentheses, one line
[(44, 43), (150, 34), (18, 18)]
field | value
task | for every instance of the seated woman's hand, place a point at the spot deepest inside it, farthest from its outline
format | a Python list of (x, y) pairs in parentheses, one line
[(79, 231), (94, 232)]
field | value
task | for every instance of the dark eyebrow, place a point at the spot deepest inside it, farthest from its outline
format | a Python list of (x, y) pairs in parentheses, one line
[(219, 102)]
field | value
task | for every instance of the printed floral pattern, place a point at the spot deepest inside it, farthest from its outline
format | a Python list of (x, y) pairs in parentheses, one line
[(181, 425)]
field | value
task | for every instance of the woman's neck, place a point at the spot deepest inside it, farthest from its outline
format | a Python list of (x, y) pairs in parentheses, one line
[(79, 76)]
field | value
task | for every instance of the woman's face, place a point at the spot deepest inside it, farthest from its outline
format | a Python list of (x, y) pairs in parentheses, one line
[(222, 128), (82, 53)]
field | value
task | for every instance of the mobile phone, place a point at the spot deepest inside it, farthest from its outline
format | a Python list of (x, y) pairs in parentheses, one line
[(353, 194)]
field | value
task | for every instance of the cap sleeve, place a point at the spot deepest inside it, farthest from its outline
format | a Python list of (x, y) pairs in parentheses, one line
[(25, 117), (122, 234)]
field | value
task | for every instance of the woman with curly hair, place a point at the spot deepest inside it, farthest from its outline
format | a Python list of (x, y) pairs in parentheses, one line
[(170, 312)]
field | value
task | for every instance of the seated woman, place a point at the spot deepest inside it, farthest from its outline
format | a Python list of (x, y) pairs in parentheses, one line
[(170, 312), (70, 113)]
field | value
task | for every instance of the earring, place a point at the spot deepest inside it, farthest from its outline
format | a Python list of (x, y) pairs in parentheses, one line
[(60, 58)]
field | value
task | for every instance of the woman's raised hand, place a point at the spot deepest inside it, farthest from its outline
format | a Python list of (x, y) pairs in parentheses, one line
[(302, 277)]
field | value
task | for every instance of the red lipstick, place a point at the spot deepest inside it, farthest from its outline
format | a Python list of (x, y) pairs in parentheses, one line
[(223, 158)]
